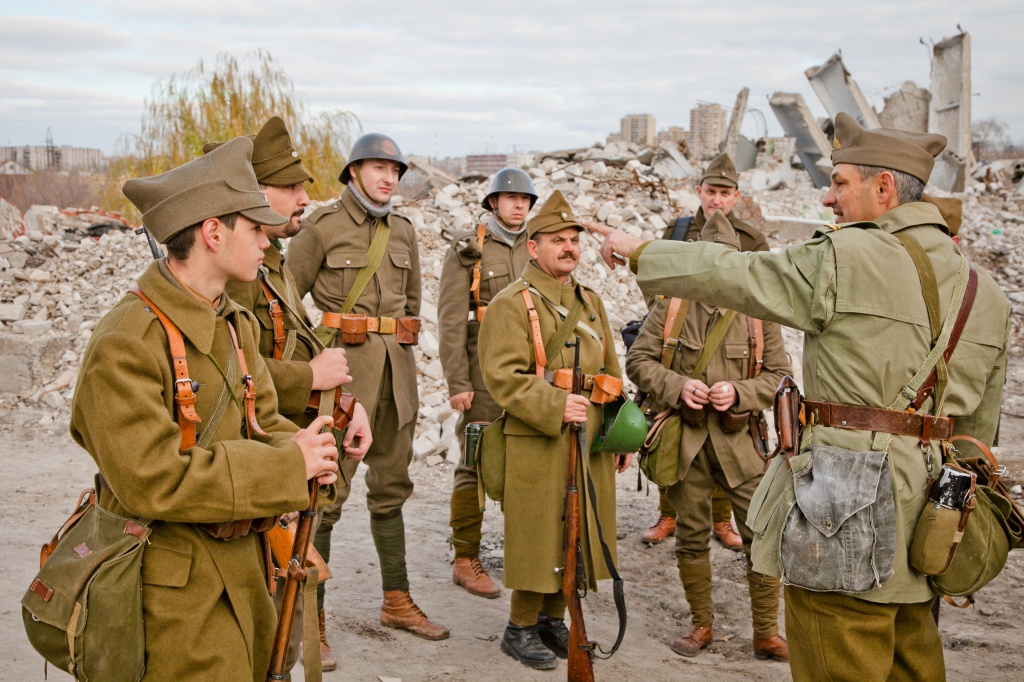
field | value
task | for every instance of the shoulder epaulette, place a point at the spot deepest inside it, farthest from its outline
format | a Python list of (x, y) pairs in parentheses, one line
[(326, 209)]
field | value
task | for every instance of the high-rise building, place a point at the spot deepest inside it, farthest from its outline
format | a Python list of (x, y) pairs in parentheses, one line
[(672, 134), (707, 130), (638, 129), (63, 158)]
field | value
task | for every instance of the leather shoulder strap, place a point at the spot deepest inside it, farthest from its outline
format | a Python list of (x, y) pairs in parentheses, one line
[(540, 359), (481, 231), (276, 316), (184, 395), (674, 319), (249, 395), (755, 331)]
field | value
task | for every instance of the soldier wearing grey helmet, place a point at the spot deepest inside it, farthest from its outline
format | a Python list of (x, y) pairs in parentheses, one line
[(480, 263), (360, 262)]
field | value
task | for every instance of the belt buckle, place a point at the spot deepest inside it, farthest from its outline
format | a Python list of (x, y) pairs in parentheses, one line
[(588, 382), (387, 325)]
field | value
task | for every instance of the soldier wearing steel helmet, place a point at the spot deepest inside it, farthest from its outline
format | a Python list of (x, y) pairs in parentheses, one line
[(337, 243), (480, 263)]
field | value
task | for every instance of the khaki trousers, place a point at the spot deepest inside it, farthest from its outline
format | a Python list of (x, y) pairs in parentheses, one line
[(840, 638)]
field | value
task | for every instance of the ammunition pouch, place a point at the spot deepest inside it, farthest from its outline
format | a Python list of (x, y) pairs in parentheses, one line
[(232, 530), (732, 422), (691, 416), (490, 459), (353, 329), (659, 455), (606, 389), (408, 330)]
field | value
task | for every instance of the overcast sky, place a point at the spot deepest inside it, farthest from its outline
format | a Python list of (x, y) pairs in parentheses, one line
[(455, 77)]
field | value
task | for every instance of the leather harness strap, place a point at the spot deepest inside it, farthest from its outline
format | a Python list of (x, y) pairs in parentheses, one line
[(755, 330), (276, 316), (481, 231), (249, 393), (540, 360), (184, 393), (878, 419)]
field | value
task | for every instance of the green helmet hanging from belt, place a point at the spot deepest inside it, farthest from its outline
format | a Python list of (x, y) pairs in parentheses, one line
[(374, 146), (625, 428), (510, 180)]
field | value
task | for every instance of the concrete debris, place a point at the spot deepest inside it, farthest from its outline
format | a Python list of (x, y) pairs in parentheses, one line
[(732, 133), (814, 149), (906, 108), (55, 286), (838, 91)]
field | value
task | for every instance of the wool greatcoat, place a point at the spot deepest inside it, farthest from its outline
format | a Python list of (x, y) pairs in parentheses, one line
[(458, 327), (292, 375), (537, 442), (856, 295), (207, 611), (735, 451)]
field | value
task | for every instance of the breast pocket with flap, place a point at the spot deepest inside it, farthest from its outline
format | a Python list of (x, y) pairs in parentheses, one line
[(401, 261), (342, 268)]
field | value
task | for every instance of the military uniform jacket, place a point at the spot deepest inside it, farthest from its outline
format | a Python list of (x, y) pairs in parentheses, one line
[(856, 295), (292, 375), (457, 325), (195, 588), (537, 442), (325, 258), (735, 451)]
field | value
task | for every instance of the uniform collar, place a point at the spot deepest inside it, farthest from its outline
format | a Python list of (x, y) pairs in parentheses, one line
[(195, 320), (356, 210), (548, 286), (272, 258), (910, 215)]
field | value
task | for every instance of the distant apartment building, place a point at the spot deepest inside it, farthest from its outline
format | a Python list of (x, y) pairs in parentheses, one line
[(485, 164), (672, 135), (707, 130), (63, 158), (637, 129)]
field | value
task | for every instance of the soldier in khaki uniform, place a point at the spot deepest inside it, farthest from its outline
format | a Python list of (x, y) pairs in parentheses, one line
[(537, 434), (479, 264), (856, 293), (714, 453), (207, 610), (297, 361), (718, 190), (335, 245)]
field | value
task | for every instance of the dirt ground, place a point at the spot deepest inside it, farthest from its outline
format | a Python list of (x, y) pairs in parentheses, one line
[(44, 474)]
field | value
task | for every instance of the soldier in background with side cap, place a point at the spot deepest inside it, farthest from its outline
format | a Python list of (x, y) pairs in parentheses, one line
[(855, 292), (335, 245), (537, 434), (718, 190), (479, 264), (207, 610), (297, 361)]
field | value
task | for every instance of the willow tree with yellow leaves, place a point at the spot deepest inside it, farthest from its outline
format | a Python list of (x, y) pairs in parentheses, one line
[(213, 104)]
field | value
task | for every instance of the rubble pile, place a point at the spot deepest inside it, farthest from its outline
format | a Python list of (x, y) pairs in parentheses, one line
[(70, 267)]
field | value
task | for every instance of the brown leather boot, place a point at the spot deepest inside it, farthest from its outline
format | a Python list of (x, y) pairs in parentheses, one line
[(691, 644), (773, 647), (725, 534), (470, 574), (664, 528), (327, 662), (399, 611)]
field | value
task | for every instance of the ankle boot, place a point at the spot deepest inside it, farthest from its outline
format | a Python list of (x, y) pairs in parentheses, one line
[(327, 662), (470, 574), (691, 644), (554, 634), (399, 611), (525, 645), (663, 528)]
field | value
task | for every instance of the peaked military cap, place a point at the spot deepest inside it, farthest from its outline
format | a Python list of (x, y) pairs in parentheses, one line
[(554, 215), (213, 185), (274, 159), (721, 171), (898, 150), (718, 230)]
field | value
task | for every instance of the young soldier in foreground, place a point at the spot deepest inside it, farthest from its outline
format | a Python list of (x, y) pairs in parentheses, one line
[(716, 450), (296, 360), (537, 435), (479, 264), (337, 244), (856, 293), (208, 613), (718, 190)]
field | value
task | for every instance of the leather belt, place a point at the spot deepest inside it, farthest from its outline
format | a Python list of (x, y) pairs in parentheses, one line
[(562, 378), (922, 426), (379, 325)]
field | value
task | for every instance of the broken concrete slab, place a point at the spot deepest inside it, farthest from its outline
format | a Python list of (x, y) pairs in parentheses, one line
[(949, 112), (798, 123), (839, 92), (789, 229), (732, 133), (906, 108)]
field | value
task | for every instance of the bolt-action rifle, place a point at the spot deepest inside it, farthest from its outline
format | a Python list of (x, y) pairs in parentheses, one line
[(574, 577), (153, 246)]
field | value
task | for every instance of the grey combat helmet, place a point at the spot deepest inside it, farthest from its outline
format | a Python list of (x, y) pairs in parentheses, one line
[(374, 146), (510, 180)]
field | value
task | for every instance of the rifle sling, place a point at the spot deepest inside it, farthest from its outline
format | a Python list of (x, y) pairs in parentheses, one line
[(618, 586)]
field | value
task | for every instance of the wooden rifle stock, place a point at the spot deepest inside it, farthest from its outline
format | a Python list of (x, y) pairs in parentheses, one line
[(295, 575), (574, 580)]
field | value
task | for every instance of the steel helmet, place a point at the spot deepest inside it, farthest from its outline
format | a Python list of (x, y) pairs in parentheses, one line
[(625, 428), (374, 146), (510, 180)]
